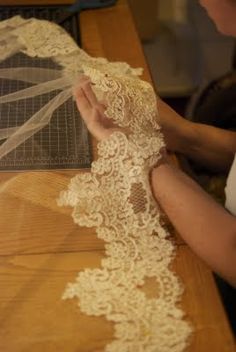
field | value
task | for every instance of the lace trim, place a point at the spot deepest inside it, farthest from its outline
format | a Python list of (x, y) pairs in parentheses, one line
[(39, 38), (115, 197)]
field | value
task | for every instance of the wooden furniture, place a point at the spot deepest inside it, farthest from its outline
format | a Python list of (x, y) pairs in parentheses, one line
[(41, 249)]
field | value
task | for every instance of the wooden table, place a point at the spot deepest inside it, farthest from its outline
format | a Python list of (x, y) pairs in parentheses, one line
[(41, 249)]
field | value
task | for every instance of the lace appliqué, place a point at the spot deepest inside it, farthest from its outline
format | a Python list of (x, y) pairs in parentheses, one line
[(40, 38), (115, 197)]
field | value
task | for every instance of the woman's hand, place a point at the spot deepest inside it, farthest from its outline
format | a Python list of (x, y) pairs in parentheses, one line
[(174, 127), (92, 111)]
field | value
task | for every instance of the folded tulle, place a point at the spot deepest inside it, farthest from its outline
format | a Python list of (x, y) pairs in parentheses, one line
[(30, 74), (40, 119), (7, 132), (34, 91), (46, 81), (44, 40)]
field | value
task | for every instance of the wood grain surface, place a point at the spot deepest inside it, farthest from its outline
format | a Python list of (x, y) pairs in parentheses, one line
[(41, 249)]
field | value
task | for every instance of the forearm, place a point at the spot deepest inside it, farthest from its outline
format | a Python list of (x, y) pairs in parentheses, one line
[(210, 146), (207, 227)]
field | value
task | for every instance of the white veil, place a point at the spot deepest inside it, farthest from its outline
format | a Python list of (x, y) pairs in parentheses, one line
[(38, 38), (115, 197)]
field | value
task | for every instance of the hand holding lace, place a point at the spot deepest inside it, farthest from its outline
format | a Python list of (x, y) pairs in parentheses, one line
[(92, 111), (116, 199), (115, 196)]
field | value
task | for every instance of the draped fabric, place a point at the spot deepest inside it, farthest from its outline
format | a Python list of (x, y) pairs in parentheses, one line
[(115, 198)]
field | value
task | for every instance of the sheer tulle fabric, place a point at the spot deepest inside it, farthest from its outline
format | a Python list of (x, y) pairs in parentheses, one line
[(115, 197), (44, 81)]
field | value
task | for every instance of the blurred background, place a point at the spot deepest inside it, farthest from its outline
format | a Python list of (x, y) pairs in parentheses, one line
[(182, 46)]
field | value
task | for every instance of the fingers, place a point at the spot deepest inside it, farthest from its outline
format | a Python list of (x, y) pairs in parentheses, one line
[(92, 111), (90, 94), (90, 115), (92, 98), (82, 80), (83, 105), (85, 84)]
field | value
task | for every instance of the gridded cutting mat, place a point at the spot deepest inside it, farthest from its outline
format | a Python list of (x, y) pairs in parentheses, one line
[(62, 144)]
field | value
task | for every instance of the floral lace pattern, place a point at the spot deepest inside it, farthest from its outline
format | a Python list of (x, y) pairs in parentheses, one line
[(40, 38), (115, 197), (33, 35)]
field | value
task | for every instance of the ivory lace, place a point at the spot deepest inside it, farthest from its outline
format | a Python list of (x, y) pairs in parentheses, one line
[(115, 197)]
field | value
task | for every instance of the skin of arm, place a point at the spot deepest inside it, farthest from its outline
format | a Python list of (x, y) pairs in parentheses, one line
[(206, 226), (212, 147)]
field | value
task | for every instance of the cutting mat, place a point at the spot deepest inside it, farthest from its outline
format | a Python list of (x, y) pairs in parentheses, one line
[(64, 143)]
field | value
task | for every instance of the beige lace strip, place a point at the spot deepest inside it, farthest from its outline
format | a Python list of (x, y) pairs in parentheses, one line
[(115, 198)]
